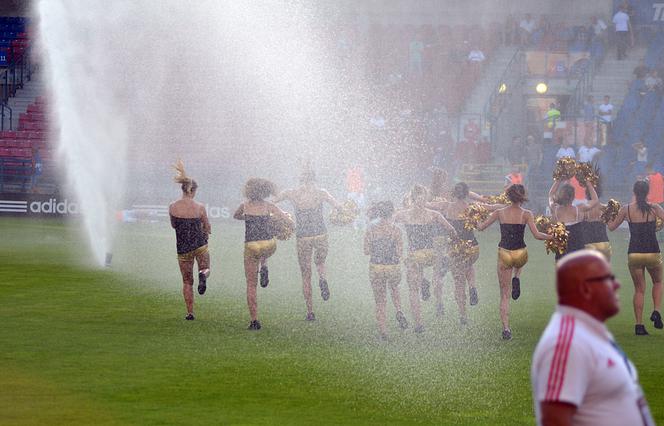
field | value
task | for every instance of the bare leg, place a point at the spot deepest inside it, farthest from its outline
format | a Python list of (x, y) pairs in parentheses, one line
[(186, 269), (414, 277), (438, 277), (460, 292), (470, 276), (380, 297), (639, 279), (656, 276), (251, 274), (203, 261), (504, 280), (304, 251), (516, 272), (396, 296)]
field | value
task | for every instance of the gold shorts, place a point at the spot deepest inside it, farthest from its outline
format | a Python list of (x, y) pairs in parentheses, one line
[(385, 273), (644, 260), (260, 249), (191, 255), (422, 257), (603, 247), (462, 263), (317, 243), (513, 258)]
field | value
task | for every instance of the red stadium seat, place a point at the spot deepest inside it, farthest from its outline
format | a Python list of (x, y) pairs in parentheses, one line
[(8, 134)]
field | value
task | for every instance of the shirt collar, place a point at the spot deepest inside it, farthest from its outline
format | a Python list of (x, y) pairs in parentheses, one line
[(595, 325)]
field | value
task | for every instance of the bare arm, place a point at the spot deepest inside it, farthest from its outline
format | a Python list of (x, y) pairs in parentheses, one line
[(489, 220), (477, 197), (329, 199), (399, 241), (276, 211), (239, 213), (437, 205), (533, 228), (552, 194), (593, 198), (367, 242), (556, 413), (441, 219), (658, 210), (615, 223), (284, 195), (204, 219)]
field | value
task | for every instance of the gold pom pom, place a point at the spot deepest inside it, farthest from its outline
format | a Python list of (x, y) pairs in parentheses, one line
[(473, 216), (542, 223), (565, 168), (659, 224), (460, 250), (345, 215), (610, 211), (560, 234), (585, 172), (282, 228), (498, 199)]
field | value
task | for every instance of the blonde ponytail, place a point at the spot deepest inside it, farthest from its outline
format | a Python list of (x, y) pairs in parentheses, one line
[(188, 184)]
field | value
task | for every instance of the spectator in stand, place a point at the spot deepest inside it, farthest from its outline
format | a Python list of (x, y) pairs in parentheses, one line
[(588, 115), (484, 151), (37, 167), (552, 116), (511, 31), (466, 151), (526, 28), (656, 182), (515, 177), (641, 70), (605, 111), (475, 60), (653, 82), (598, 28), (623, 31), (471, 130), (639, 166), (514, 154), (588, 153), (533, 155), (416, 50), (566, 149)]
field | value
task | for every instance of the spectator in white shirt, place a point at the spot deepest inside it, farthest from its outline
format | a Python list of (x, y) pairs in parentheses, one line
[(599, 27), (605, 112), (476, 55), (579, 374), (587, 152), (623, 32), (526, 28), (565, 150)]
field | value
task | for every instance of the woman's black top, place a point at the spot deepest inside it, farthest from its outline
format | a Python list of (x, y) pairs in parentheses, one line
[(189, 233), (310, 222), (511, 236), (595, 232), (462, 232), (383, 251), (420, 236), (575, 238), (257, 228), (642, 236)]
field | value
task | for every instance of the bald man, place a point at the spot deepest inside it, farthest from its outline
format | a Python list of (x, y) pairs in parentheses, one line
[(580, 376)]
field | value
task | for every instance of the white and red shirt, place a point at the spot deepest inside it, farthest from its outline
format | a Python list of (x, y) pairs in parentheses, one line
[(576, 362)]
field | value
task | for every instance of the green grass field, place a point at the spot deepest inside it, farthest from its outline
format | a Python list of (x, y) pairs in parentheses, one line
[(82, 345)]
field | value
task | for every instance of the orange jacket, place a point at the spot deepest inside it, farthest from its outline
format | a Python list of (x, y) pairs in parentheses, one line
[(656, 193)]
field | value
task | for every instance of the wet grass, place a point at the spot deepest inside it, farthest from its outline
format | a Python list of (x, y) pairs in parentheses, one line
[(82, 345)]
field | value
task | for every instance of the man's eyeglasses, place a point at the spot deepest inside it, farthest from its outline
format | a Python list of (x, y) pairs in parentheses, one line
[(610, 277)]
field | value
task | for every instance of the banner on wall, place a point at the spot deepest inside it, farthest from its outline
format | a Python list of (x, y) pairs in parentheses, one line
[(37, 205)]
